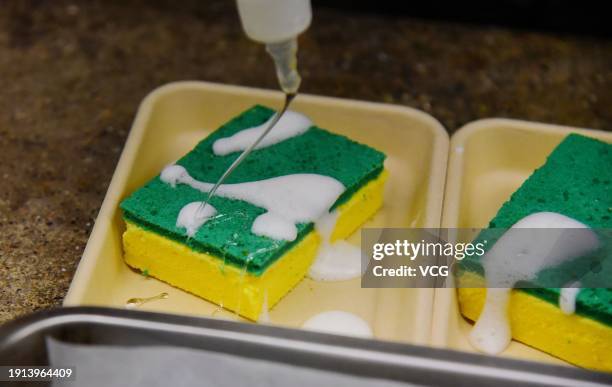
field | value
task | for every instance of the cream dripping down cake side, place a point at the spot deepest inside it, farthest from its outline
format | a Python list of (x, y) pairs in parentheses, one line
[(291, 202), (573, 319)]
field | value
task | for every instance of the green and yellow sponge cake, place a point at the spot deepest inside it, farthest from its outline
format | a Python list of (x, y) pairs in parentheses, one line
[(575, 181), (257, 237)]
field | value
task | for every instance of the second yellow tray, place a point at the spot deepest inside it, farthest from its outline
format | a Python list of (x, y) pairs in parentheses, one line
[(488, 160)]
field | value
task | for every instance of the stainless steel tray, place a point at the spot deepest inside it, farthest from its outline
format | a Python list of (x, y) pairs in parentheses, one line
[(23, 343)]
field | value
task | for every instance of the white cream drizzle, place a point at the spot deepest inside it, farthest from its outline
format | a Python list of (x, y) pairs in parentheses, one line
[(336, 261), (191, 220), (520, 256), (567, 298), (289, 200), (291, 124), (339, 261), (339, 322)]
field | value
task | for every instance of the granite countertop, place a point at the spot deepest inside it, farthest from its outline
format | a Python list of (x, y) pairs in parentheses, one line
[(72, 75)]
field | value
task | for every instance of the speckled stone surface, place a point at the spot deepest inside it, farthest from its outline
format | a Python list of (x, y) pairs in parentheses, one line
[(72, 75)]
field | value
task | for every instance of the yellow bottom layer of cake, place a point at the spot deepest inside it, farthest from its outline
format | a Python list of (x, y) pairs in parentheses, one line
[(576, 339), (205, 275)]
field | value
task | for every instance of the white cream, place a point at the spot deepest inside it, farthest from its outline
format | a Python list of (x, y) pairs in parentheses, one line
[(339, 322), (567, 298), (172, 174), (274, 226), (520, 256), (339, 261), (336, 261), (289, 200), (291, 124), (191, 217)]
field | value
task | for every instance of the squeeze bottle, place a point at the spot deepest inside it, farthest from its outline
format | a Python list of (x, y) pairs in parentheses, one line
[(277, 23)]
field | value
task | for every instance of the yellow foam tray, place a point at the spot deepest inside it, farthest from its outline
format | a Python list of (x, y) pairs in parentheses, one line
[(173, 118), (488, 160)]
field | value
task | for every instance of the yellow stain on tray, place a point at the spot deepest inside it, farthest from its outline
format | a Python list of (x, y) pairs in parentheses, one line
[(206, 276), (576, 339)]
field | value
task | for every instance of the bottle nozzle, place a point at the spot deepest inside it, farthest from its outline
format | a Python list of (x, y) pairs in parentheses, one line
[(285, 60)]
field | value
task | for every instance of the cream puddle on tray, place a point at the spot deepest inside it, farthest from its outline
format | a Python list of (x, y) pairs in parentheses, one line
[(339, 322)]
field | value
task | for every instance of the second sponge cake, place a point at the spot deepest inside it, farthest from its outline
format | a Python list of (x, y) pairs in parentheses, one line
[(575, 182), (257, 238)]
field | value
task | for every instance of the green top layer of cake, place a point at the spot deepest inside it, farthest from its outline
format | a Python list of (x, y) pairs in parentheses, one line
[(576, 181), (228, 236)]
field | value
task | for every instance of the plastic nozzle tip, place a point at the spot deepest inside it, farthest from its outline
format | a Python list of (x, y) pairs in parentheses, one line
[(285, 59)]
